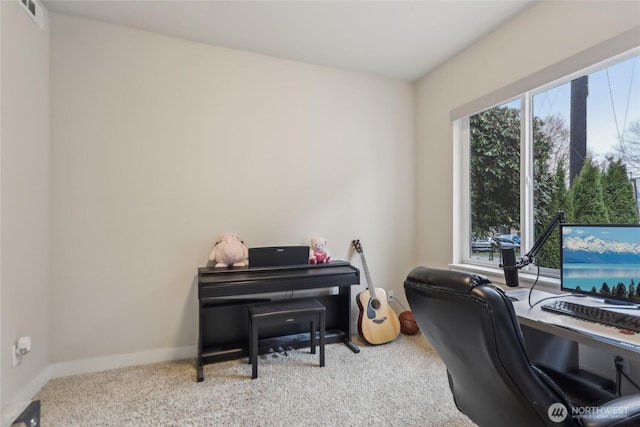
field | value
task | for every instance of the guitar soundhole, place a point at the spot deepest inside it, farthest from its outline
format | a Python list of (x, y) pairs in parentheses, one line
[(375, 304)]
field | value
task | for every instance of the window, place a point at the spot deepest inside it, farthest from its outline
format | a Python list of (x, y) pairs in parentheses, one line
[(572, 145), (494, 169)]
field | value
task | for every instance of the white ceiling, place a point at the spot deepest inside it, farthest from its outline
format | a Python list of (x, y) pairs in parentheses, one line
[(398, 39)]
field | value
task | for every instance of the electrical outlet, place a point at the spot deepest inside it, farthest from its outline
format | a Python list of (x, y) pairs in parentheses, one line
[(389, 295), (15, 360)]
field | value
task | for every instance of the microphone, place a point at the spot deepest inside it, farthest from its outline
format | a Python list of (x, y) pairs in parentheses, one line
[(509, 266)]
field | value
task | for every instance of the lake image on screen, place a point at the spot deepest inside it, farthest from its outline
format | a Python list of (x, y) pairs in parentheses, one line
[(586, 276), (593, 255)]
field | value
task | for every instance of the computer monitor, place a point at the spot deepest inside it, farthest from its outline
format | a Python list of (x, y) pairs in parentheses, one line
[(601, 260)]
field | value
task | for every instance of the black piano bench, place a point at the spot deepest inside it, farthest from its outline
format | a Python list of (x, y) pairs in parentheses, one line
[(287, 312)]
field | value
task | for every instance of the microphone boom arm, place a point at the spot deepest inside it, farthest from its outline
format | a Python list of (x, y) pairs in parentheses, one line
[(528, 258)]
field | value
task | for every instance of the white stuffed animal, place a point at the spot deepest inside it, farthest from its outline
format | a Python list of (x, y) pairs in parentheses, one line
[(229, 250), (318, 251)]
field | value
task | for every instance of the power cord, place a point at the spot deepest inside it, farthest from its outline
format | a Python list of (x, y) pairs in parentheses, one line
[(618, 361), (535, 282), (392, 298)]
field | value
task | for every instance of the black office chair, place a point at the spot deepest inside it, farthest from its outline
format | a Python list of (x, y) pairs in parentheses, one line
[(472, 326)]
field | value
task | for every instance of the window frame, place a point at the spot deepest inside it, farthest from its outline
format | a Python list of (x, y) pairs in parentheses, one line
[(461, 175)]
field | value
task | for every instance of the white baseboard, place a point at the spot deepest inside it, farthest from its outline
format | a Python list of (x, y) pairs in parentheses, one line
[(105, 363)]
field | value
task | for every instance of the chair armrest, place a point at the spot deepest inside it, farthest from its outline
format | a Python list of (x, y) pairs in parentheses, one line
[(622, 411)]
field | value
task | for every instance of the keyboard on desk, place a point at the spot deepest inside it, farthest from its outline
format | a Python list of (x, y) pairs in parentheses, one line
[(595, 314)]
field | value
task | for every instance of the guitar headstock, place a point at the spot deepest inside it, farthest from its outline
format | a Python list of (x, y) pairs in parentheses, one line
[(357, 246)]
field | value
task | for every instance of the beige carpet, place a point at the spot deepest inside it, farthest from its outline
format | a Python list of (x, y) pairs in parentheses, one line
[(402, 383)]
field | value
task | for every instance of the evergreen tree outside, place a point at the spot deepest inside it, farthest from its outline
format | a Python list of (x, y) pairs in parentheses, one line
[(587, 198), (618, 194), (549, 255)]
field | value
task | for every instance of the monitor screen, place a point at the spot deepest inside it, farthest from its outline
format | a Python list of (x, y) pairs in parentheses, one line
[(602, 260)]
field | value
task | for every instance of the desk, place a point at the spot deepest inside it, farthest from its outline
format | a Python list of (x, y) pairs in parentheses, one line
[(225, 293), (552, 339)]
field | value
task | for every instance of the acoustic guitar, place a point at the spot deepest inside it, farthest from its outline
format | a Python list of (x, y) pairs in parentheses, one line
[(377, 322)]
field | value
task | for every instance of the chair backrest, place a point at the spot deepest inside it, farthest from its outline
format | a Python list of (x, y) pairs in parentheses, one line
[(473, 328)]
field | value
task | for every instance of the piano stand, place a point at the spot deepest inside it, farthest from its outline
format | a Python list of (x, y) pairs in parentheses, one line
[(352, 346), (224, 295)]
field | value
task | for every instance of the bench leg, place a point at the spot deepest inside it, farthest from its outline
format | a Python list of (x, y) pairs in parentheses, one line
[(253, 351), (322, 339), (312, 335), (250, 331)]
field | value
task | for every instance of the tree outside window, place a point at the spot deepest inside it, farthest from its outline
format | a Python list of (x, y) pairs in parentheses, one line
[(585, 144)]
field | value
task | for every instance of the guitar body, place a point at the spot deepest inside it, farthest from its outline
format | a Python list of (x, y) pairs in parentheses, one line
[(377, 322)]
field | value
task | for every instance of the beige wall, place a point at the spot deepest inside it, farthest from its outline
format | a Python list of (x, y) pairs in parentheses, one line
[(24, 198), (160, 144), (544, 35)]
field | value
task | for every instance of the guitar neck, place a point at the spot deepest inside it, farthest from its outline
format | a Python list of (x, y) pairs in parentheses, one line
[(372, 291)]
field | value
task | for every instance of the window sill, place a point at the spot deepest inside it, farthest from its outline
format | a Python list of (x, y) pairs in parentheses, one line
[(526, 279)]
